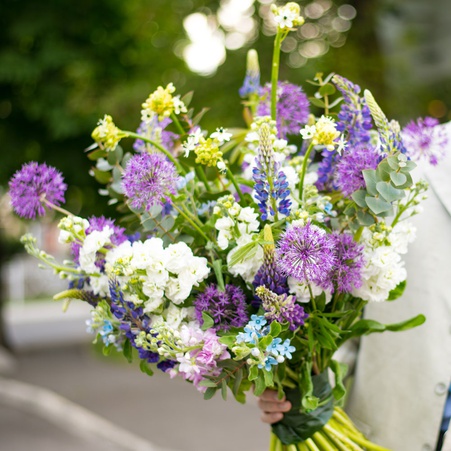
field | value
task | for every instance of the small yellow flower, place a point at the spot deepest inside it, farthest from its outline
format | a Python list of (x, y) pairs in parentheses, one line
[(162, 103), (326, 133), (288, 16), (208, 152), (106, 134)]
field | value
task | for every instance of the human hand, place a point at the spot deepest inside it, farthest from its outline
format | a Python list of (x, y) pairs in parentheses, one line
[(272, 407)]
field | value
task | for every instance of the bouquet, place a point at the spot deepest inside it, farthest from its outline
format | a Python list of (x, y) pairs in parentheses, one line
[(241, 261)]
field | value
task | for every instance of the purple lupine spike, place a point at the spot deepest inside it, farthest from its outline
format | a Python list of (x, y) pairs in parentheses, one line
[(282, 308)]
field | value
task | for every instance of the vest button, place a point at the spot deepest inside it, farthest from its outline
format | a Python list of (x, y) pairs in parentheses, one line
[(441, 388)]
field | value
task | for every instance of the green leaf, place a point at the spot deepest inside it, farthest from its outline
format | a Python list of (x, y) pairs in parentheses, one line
[(406, 325), (186, 99), (144, 367), (246, 251), (383, 171), (327, 90), (365, 218), (106, 350), (96, 154), (208, 321), (228, 340), (398, 178), (370, 181), (102, 176), (167, 222), (398, 291), (359, 197), (377, 205), (317, 102), (103, 165), (224, 389), (237, 381), (253, 373), (260, 384), (339, 370), (269, 380), (127, 350), (115, 156), (369, 326), (209, 392), (389, 192), (409, 166), (275, 329), (208, 383), (393, 162), (217, 267)]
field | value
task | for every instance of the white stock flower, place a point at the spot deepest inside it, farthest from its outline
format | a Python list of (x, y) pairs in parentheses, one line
[(302, 293), (91, 245), (402, 234)]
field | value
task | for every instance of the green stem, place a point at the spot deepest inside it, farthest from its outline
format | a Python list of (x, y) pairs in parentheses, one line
[(159, 147), (55, 207), (201, 174), (275, 73), (304, 170), (177, 124), (323, 442), (234, 182), (272, 442), (191, 222)]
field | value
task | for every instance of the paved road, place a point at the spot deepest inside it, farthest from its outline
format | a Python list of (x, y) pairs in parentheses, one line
[(78, 388)]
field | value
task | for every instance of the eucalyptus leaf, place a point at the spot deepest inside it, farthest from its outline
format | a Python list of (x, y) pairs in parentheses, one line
[(393, 162), (370, 178), (317, 102), (365, 218), (101, 176), (359, 197), (103, 165), (398, 178), (383, 171), (409, 166), (377, 205), (327, 90), (167, 222), (389, 192)]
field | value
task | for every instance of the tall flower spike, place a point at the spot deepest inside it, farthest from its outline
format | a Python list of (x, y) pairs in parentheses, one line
[(269, 275), (251, 84), (271, 186)]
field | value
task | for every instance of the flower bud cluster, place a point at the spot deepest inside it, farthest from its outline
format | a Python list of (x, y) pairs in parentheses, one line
[(162, 103), (106, 134), (287, 16), (323, 133)]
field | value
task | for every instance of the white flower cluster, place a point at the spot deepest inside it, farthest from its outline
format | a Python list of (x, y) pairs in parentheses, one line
[(147, 268), (72, 228), (234, 221), (384, 269)]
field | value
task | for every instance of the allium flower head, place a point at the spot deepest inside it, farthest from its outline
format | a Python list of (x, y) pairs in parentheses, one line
[(348, 170), (162, 103), (34, 184), (307, 254), (287, 16), (425, 139), (347, 272), (292, 107), (228, 308), (148, 179), (106, 134)]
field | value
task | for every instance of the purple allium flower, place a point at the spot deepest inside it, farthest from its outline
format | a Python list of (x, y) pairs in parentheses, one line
[(148, 179), (348, 171), (155, 130), (425, 139), (99, 223), (292, 107), (33, 184), (281, 308), (347, 272), (227, 308), (307, 254)]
